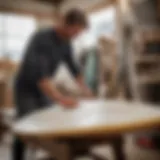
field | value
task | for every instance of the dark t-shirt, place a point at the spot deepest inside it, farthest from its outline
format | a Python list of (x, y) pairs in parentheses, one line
[(44, 53)]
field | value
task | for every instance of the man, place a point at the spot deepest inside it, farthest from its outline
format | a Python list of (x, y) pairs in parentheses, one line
[(33, 87)]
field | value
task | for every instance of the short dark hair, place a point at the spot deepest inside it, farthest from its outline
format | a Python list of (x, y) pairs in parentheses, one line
[(76, 17)]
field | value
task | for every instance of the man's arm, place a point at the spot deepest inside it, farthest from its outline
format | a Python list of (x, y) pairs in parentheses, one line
[(50, 90), (41, 76)]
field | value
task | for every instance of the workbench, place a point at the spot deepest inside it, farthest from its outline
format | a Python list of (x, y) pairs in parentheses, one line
[(68, 133)]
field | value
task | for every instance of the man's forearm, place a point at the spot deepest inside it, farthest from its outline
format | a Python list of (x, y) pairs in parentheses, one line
[(50, 90), (53, 93)]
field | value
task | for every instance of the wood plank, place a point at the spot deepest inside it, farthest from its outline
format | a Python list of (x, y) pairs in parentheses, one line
[(100, 6), (148, 58), (25, 12), (151, 35), (53, 2), (149, 79)]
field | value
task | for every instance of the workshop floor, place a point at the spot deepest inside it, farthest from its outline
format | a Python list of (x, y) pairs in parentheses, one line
[(132, 152)]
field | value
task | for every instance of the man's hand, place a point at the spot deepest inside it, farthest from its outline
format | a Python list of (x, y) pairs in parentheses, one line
[(51, 91), (68, 102)]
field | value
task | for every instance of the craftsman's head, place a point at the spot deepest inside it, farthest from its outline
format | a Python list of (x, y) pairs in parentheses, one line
[(74, 22)]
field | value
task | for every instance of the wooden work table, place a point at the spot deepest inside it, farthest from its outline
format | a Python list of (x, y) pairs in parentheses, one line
[(66, 133)]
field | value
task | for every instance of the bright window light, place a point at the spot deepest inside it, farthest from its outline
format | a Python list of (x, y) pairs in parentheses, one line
[(14, 32), (101, 23)]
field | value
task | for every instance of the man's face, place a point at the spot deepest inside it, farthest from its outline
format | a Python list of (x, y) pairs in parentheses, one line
[(73, 30)]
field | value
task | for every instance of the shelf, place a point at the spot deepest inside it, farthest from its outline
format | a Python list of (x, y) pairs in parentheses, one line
[(151, 35), (149, 79), (148, 58)]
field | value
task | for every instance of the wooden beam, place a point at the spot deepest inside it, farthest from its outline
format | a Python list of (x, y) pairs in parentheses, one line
[(26, 12), (100, 6), (52, 2), (158, 8)]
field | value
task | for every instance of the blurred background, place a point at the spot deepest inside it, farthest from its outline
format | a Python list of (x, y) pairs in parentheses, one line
[(119, 54)]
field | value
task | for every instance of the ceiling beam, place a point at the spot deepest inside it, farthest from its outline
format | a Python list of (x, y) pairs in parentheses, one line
[(51, 14), (100, 6), (52, 2), (25, 12), (27, 7)]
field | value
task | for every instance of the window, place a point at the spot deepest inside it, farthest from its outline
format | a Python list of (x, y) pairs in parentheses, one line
[(14, 32), (101, 23)]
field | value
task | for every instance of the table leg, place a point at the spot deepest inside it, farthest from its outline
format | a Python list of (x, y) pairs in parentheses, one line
[(66, 152), (59, 150), (76, 148), (97, 157), (1, 127), (117, 145)]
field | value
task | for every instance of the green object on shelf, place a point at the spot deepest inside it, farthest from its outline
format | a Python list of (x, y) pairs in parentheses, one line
[(91, 69)]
